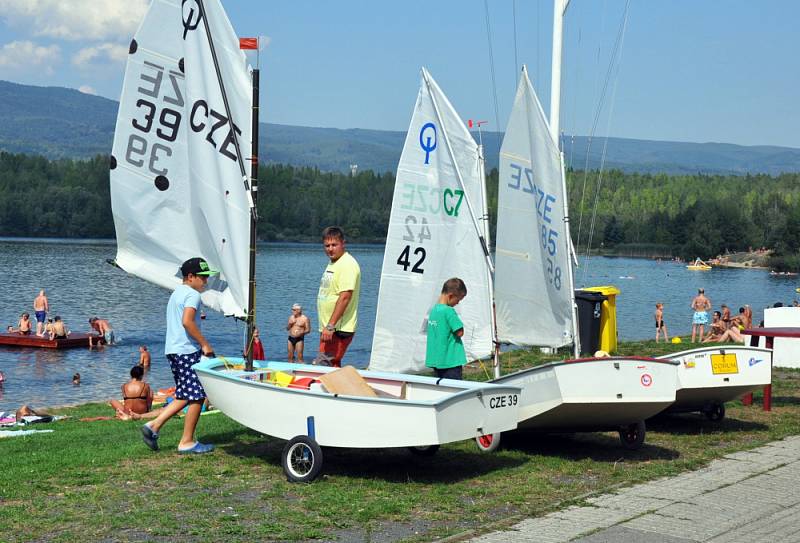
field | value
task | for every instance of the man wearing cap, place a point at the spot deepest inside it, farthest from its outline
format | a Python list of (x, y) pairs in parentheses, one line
[(298, 326), (337, 300), (184, 345)]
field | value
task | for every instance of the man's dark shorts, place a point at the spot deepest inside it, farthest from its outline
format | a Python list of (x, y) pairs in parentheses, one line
[(449, 373), (187, 385), (41, 316)]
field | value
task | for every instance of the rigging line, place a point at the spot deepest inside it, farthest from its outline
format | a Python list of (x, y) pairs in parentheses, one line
[(601, 101), (516, 61), (234, 138), (618, 54), (491, 65)]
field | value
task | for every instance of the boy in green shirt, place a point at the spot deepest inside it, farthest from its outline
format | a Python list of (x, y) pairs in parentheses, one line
[(444, 351)]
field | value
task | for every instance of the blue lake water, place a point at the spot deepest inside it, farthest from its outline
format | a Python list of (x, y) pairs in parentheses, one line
[(80, 284)]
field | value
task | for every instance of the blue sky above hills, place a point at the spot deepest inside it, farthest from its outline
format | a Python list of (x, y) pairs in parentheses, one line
[(688, 70)]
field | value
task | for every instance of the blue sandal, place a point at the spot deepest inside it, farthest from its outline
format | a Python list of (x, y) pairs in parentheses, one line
[(198, 448), (150, 437)]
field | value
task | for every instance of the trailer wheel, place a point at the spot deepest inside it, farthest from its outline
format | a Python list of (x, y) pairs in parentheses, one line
[(302, 460), (632, 436), (424, 450), (715, 413), (488, 442)]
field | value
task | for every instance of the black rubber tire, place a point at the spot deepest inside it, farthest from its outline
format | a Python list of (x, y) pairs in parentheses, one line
[(715, 413), (632, 436), (488, 442), (425, 450), (301, 460)]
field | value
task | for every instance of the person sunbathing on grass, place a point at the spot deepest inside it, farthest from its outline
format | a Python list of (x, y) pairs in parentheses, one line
[(717, 329), (137, 398)]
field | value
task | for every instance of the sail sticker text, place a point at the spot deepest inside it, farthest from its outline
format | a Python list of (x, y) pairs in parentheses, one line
[(426, 199), (522, 180), (428, 139), (421, 199), (159, 89), (191, 16), (202, 117), (416, 231)]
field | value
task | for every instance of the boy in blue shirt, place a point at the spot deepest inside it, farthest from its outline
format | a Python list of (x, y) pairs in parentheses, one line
[(184, 345), (444, 351)]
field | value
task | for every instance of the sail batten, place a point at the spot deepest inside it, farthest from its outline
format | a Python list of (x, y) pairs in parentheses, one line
[(432, 237), (533, 269), (176, 181)]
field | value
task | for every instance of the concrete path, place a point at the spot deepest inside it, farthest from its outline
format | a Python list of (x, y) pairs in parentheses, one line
[(746, 496)]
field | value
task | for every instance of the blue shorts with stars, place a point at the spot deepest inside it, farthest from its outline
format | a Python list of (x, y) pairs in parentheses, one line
[(187, 385)]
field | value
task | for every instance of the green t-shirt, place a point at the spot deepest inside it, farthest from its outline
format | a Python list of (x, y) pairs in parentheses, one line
[(444, 349), (344, 274)]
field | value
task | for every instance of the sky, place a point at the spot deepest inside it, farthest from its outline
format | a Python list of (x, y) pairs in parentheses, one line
[(687, 70)]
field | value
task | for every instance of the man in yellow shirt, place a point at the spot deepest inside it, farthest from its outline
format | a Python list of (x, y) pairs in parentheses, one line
[(337, 300)]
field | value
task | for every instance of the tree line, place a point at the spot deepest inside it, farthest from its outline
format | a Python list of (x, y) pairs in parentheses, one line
[(674, 215)]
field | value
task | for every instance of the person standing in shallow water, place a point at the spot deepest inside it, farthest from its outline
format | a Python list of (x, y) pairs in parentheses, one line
[(661, 326), (183, 347), (298, 326), (701, 306)]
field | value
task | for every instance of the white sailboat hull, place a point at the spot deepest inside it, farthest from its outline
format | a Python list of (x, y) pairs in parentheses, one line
[(705, 378), (593, 394), (432, 412)]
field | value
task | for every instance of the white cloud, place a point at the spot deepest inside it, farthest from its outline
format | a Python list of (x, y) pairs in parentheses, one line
[(76, 19), (86, 89), (100, 53), (26, 55)]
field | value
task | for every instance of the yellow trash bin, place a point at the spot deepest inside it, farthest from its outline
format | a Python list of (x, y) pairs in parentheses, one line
[(608, 317)]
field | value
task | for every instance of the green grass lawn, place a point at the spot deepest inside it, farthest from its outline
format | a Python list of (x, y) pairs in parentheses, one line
[(96, 481)]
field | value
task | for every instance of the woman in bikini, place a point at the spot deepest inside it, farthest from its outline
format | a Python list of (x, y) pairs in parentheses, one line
[(137, 398)]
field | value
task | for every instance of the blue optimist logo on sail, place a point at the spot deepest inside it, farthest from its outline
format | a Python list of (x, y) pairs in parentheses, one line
[(428, 139)]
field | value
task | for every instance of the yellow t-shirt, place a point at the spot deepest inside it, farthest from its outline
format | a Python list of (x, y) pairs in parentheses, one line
[(339, 276)]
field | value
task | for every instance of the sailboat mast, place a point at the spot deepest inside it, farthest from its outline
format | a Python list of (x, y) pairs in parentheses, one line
[(251, 193), (251, 298), (489, 282), (559, 9)]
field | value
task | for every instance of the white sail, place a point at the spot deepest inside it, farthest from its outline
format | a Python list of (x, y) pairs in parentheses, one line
[(532, 264), (176, 185), (433, 236)]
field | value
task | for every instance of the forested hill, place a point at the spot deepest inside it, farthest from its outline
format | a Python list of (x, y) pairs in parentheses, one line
[(64, 123), (691, 216)]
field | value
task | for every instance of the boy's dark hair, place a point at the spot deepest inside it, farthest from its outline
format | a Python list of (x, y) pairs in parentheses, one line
[(333, 232), (718, 314), (137, 372), (57, 318), (454, 285)]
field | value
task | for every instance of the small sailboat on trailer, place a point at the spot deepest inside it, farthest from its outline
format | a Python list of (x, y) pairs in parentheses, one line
[(710, 376), (181, 187), (535, 297)]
